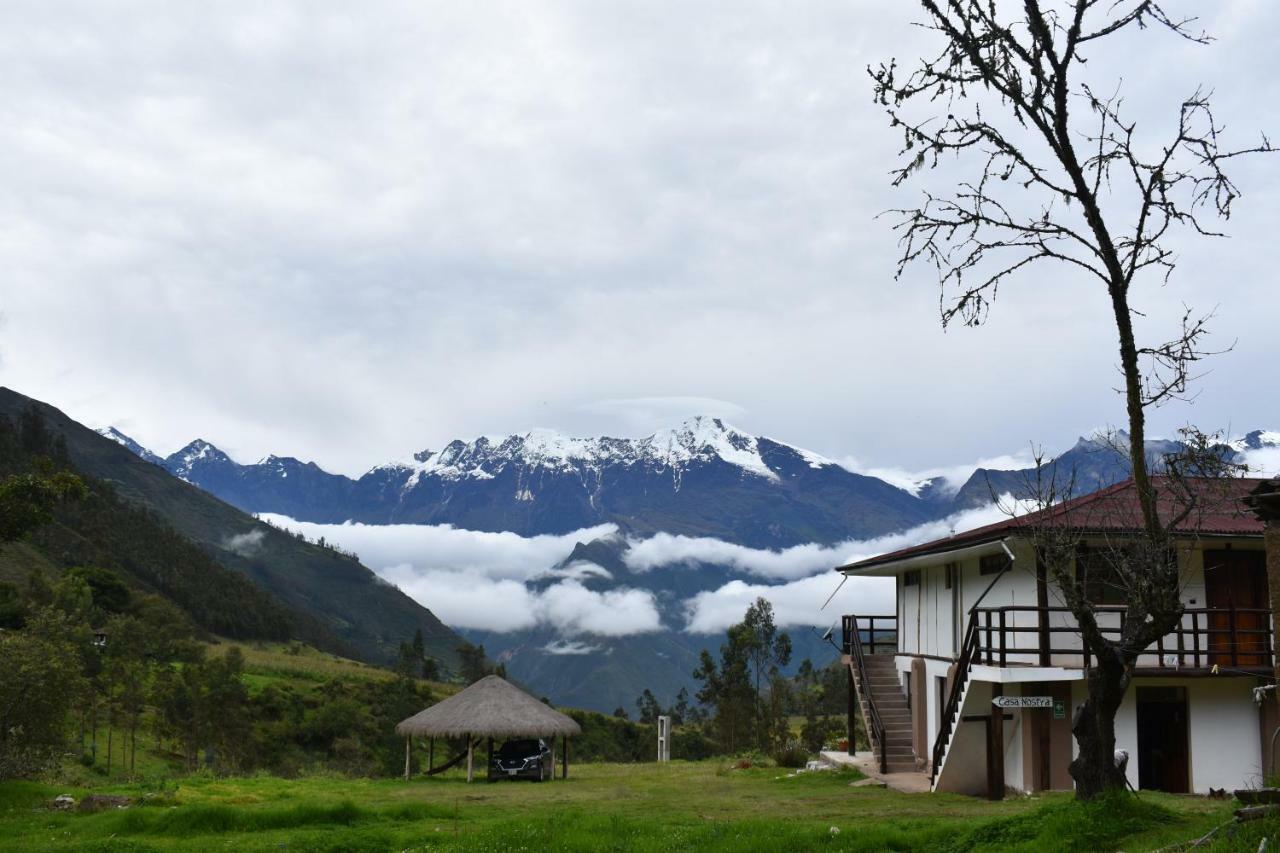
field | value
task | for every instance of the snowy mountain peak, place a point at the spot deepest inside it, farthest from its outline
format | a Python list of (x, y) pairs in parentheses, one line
[(128, 444), (1259, 439), (197, 454), (698, 439)]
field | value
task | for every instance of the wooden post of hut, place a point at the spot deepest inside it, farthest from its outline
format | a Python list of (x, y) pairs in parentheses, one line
[(431, 755), (407, 741), (491, 709)]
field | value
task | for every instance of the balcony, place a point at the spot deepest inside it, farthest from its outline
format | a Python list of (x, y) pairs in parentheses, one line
[(1236, 640)]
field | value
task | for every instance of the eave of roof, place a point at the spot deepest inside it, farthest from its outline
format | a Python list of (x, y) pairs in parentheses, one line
[(1116, 514)]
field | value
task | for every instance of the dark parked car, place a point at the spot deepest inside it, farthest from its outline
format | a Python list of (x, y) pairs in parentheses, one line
[(522, 759)]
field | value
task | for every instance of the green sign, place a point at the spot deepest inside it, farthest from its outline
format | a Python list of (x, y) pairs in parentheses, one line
[(1059, 709)]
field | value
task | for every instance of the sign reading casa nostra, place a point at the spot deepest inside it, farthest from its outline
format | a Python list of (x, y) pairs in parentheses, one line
[(1023, 701)]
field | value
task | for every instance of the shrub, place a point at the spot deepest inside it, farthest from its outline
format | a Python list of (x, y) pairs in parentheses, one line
[(791, 755)]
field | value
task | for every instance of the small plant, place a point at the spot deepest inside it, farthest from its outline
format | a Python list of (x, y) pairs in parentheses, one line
[(792, 755)]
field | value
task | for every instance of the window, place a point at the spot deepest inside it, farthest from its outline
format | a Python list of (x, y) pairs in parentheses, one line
[(949, 573), (1096, 571), (911, 578), (993, 563)]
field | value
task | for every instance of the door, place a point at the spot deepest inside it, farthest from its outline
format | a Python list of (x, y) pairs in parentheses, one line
[(1162, 740), (1235, 591)]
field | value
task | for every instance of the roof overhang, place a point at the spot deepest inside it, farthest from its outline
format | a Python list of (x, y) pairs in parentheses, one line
[(890, 566)]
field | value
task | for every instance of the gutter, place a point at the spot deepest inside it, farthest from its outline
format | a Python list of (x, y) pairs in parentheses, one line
[(887, 569)]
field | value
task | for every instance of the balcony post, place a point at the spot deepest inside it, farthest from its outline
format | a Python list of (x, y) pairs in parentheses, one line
[(1003, 641)]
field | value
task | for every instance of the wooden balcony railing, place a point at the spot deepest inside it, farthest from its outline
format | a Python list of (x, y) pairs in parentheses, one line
[(877, 634), (1230, 638)]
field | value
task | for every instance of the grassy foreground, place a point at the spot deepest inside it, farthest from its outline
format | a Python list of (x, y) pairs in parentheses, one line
[(647, 807)]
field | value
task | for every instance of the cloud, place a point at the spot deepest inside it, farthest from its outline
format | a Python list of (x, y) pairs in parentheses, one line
[(953, 476), (665, 549), (469, 599), (605, 217), (569, 647), (493, 555), (1263, 462), (474, 579), (245, 544), (795, 604), (477, 579)]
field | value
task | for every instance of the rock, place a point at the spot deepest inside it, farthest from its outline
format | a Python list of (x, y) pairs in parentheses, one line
[(101, 802), (63, 802)]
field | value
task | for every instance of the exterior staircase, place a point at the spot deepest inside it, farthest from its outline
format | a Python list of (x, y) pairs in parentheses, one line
[(884, 689)]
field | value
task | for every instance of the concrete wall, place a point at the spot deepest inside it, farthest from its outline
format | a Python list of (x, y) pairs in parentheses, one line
[(1222, 722)]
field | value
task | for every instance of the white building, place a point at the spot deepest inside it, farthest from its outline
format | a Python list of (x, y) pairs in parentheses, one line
[(978, 618)]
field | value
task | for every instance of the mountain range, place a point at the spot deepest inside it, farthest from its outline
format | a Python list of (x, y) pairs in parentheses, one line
[(701, 478)]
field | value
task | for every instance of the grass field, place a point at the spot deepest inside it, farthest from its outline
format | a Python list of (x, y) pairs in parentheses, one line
[(648, 807)]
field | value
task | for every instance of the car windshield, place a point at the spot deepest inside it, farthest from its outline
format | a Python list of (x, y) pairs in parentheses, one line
[(518, 748)]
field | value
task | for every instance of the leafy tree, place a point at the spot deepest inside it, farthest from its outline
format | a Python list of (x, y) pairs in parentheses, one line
[(681, 712), (648, 707), (108, 590), (621, 713), (39, 678), (473, 665), (430, 669), (27, 501), (1080, 187)]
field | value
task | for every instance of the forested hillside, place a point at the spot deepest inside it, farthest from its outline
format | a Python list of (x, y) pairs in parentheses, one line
[(231, 573)]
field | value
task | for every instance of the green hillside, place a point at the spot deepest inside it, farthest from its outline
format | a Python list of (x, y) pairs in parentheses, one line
[(173, 538)]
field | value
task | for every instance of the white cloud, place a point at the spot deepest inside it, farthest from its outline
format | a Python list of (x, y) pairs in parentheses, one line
[(477, 579), (795, 605), (800, 561), (473, 579), (953, 476), (607, 212), (569, 647), (1263, 462), (246, 544), (494, 555)]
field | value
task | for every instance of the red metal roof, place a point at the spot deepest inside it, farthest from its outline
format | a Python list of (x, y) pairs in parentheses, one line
[(1220, 511)]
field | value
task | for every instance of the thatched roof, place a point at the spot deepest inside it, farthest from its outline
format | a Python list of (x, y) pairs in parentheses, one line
[(489, 708)]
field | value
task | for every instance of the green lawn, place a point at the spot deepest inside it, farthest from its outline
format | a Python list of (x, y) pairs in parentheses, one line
[(648, 807)]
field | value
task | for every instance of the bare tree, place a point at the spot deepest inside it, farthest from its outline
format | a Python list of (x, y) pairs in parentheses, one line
[(1077, 189)]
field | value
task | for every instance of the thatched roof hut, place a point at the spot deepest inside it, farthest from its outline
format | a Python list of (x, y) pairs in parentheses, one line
[(490, 708)]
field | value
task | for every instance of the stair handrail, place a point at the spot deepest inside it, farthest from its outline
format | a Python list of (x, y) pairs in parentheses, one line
[(968, 648), (873, 714)]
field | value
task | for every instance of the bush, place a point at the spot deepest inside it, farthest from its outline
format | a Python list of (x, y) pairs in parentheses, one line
[(792, 755)]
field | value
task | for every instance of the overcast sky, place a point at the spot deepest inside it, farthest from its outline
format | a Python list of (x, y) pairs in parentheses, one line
[(350, 231)]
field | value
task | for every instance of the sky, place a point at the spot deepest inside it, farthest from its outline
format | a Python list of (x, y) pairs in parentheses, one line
[(348, 232)]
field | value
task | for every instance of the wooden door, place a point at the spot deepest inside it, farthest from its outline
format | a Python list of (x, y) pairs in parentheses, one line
[(1162, 740), (1235, 591)]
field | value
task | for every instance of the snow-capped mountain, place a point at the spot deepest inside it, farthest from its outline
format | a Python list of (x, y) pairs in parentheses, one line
[(129, 444), (703, 477)]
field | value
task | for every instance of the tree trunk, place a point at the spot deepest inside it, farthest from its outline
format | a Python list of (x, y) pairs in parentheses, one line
[(1094, 768)]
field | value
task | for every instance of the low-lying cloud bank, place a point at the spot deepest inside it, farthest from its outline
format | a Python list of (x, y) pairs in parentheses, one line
[(664, 549), (481, 580)]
